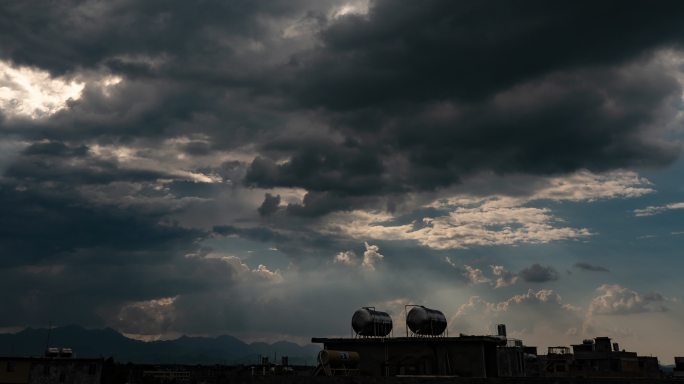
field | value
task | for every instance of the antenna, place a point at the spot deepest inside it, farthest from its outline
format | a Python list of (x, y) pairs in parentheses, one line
[(47, 342)]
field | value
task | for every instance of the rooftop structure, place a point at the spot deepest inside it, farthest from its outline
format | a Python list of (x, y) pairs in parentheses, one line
[(466, 356)]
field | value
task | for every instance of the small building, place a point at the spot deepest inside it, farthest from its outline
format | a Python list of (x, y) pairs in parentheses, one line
[(14, 370), (600, 358), (465, 356), (171, 374), (596, 358), (48, 370), (511, 358), (556, 362), (678, 370)]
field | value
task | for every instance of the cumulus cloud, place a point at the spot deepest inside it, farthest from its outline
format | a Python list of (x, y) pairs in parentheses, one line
[(537, 273), (531, 297), (479, 315), (501, 277), (346, 258), (487, 224), (618, 300), (579, 186), (265, 273), (657, 209), (587, 186), (371, 256), (474, 275), (590, 267), (472, 220), (33, 93), (270, 205), (147, 317), (504, 277)]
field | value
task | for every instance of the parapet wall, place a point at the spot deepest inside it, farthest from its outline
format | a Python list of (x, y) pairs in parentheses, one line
[(439, 380)]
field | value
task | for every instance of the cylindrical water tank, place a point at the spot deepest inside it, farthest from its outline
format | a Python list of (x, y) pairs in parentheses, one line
[(426, 321), (501, 330), (369, 322), (338, 358)]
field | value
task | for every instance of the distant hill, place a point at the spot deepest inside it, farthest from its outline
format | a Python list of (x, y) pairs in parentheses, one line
[(184, 350)]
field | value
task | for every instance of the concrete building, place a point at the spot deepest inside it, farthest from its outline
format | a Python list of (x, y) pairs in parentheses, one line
[(678, 370), (511, 358), (556, 363), (47, 370), (465, 356), (596, 358), (600, 358)]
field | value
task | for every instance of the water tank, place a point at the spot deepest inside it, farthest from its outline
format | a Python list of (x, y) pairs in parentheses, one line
[(426, 321), (66, 352), (338, 358), (501, 330), (603, 344), (369, 322)]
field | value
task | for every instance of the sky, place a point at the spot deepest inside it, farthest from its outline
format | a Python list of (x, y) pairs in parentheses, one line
[(265, 168)]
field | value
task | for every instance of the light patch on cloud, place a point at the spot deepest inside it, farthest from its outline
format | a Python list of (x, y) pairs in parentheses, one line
[(587, 186), (346, 258), (504, 278), (263, 272), (520, 313), (575, 187), (531, 297), (498, 219), (243, 271), (618, 300), (33, 93), (143, 196), (135, 159), (356, 7), (485, 225), (656, 209), (371, 256), (474, 275), (154, 316)]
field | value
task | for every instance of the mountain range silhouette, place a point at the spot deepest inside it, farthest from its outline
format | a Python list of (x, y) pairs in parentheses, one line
[(108, 342)]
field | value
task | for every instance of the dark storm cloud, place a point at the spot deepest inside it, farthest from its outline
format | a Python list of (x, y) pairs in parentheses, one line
[(362, 110), (347, 168), (56, 291), (65, 259), (262, 234), (69, 35), (430, 92), (537, 273), (590, 267), (53, 224), (69, 253), (270, 205), (70, 166), (438, 50)]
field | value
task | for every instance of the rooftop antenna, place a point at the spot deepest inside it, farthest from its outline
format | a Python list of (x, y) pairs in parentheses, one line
[(47, 342)]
